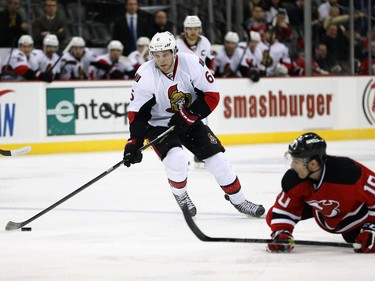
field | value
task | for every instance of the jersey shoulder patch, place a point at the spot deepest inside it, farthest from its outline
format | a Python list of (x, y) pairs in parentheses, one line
[(342, 170)]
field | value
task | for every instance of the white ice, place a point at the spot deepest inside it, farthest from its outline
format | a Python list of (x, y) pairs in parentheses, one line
[(127, 225)]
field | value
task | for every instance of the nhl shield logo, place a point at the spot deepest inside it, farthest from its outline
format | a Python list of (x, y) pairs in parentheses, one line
[(368, 102)]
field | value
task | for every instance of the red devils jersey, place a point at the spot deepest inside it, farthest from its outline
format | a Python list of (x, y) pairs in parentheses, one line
[(342, 200)]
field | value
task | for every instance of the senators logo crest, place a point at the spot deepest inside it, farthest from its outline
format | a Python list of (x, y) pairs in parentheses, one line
[(328, 208), (178, 99), (267, 60)]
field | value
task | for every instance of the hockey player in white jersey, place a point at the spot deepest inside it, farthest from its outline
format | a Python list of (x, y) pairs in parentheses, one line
[(109, 66), (48, 59), (22, 63), (141, 55), (228, 57), (272, 56), (179, 90), (191, 41), (76, 62), (248, 66)]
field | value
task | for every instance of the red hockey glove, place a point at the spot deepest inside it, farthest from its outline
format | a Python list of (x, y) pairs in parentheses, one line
[(364, 243), (183, 121), (281, 236), (132, 154)]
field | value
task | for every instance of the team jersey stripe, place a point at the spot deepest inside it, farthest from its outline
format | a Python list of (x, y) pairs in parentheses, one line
[(212, 99), (285, 214)]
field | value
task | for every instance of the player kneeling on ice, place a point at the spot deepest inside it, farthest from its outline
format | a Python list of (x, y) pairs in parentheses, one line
[(179, 90), (337, 191)]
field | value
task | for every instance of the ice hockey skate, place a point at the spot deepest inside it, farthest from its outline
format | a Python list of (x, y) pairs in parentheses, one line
[(248, 208), (185, 199)]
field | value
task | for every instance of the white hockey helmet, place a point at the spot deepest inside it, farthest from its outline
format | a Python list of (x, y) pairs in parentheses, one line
[(163, 41), (232, 37), (25, 40), (51, 40), (143, 41), (192, 21), (115, 45), (77, 42), (254, 36)]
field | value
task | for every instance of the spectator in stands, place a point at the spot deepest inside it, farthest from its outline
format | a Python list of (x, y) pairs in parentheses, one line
[(48, 59), (283, 31), (161, 24), (141, 55), (299, 66), (296, 15), (109, 65), (248, 67), (132, 25), (257, 21), (76, 62), (273, 8), (334, 17), (228, 57), (12, 25), (272, 56), (22, 63), (364, 68), (50, 23), (325, 7), (192, 41), (324, 61), (337, 46)]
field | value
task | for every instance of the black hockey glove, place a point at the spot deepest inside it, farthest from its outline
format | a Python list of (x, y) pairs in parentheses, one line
[(364, 243), (254, 74), (281, 236), (132, 154), (116, 74), (45, 76), (183, 121)]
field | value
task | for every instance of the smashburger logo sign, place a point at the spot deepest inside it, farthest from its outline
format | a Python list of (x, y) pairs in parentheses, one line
[(278, 105), (368, 102)]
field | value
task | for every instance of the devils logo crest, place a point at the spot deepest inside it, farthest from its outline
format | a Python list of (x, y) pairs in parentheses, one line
[(178, 99), (328, 208)]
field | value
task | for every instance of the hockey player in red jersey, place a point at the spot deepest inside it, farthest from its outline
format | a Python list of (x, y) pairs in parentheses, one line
[(179, 90), (337, 191)]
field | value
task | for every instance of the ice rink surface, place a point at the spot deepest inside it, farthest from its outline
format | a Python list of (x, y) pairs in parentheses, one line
[(127, 226)]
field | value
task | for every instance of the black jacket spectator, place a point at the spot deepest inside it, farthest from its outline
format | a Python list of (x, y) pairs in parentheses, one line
[(11, 24), (121, 29)]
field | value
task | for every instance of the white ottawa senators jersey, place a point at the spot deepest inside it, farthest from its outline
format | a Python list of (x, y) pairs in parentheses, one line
[(223, 61), (202, 49), (72, 68), (190, 74), (97, 73), (269, 56), (45, 63), (18, 63)]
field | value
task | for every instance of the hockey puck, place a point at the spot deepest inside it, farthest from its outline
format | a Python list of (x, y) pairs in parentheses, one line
[(26, 229)]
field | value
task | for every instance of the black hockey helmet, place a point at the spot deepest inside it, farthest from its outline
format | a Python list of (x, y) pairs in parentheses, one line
[(308, 146)]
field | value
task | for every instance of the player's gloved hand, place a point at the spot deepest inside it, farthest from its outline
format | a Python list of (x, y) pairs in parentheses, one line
[(278, 245), (132, 154), (116, 74), (45, 76), (364, 243), (183, 121), (254, 74)]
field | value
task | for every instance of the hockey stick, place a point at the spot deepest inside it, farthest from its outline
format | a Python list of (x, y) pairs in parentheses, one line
[(194, 228), (16, 152), (16, 225), (108, 108)]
